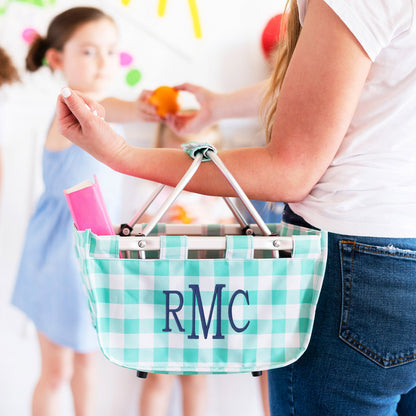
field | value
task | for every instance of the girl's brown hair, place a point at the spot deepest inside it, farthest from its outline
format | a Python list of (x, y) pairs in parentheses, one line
[(282, 58), (60, 30), (8, 72)]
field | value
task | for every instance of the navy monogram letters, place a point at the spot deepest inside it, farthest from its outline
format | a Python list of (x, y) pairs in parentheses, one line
[(197, 302)]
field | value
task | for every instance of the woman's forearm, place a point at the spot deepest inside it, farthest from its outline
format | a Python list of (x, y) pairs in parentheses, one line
[(241, 103), (254, 169)]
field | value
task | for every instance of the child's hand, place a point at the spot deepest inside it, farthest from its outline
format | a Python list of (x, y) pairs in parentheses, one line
[(81, 120), (183, 124), (145, 110)]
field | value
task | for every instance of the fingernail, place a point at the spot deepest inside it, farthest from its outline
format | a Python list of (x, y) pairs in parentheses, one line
[(95, 112), (87, 107), (66, 92)]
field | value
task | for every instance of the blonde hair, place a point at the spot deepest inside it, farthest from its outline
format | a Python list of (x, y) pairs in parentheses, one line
[(290, 31)]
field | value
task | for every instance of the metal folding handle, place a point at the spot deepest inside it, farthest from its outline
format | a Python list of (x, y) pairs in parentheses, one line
[(239, 191), (141, 244), (174, 194), (185, 180)]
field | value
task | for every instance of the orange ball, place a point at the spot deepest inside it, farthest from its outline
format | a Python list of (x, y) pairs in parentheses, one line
[(165, 99)]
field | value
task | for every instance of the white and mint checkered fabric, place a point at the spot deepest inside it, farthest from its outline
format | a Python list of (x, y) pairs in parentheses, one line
[(184, 316)]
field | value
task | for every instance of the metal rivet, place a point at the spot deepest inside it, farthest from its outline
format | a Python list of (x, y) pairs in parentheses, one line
[(142, 244), (276, 243), (126, 231)]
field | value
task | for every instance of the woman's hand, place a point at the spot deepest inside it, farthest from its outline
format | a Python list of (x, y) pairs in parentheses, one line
[(214, 107), (183, 124), (81, 120)]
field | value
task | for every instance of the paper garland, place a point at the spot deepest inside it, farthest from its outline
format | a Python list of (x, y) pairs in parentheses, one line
[(40, 3), (194, 14)]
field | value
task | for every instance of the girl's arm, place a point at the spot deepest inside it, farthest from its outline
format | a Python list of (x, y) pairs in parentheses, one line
[(316, 104), (121, 111)]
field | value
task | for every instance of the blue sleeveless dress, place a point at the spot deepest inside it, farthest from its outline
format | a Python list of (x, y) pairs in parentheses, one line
[(49, 287)]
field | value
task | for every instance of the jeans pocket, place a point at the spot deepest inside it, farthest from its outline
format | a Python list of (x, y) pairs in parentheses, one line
[(379, 302)]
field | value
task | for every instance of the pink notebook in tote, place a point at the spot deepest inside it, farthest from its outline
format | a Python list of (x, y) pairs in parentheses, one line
[(88, 209)]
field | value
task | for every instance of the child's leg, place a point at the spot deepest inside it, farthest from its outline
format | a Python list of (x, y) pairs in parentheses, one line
[(194, 392), (264, 390), (155, 394), (56, 369), (83, 383)]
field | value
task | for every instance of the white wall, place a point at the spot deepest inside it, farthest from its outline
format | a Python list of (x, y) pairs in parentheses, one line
[(166, 51)]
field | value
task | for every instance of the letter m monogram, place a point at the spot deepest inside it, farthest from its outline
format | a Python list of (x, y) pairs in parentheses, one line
[(196, 299)]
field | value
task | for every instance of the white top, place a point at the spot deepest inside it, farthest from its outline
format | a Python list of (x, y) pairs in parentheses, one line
[(370, 186)]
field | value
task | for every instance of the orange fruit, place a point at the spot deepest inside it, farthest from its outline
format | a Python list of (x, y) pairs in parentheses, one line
[(165, 99)]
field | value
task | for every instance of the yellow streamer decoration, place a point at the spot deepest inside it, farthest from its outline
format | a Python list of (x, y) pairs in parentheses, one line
[(161, 8), (194, 13), (195, 18)]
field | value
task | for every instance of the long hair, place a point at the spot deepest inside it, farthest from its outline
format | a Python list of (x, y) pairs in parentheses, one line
[(8, 72), (282, 58), (60, 30)]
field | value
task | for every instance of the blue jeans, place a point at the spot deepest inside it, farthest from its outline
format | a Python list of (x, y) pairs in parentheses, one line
[(361, 360), (269, 213)]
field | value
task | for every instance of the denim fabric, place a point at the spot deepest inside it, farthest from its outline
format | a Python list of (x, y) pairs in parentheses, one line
[(361, 360), (269, 213)]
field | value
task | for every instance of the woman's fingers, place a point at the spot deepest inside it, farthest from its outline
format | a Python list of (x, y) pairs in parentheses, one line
[(95, 108), (192, 88), (182, 124), (79, 120), (200, 93), (62, 109), (78, 116), (67, 122), (77, 105)]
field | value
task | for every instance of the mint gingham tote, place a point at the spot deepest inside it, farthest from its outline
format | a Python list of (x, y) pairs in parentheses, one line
[(225, 315), (177, 310)]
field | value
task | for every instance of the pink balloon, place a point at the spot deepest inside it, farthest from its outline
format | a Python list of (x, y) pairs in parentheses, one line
[(125, 59), (29, 35)]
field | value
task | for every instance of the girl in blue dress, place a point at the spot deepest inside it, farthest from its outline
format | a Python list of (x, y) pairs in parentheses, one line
[(81, 43)]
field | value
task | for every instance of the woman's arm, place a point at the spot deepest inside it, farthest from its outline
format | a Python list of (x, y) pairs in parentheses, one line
[(214, 107), (316, 104)]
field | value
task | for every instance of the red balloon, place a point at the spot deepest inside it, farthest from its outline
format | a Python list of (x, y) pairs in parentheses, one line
[(271, 34)]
